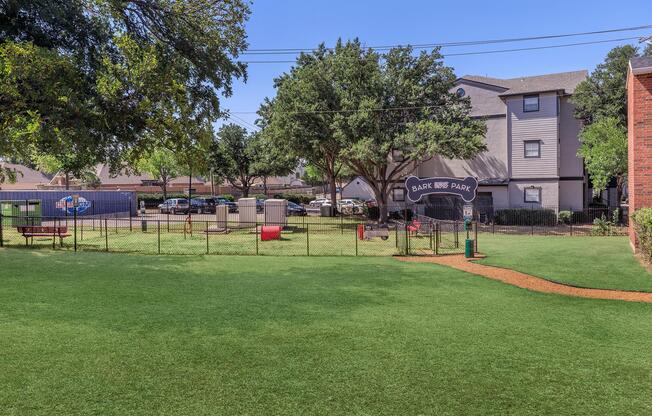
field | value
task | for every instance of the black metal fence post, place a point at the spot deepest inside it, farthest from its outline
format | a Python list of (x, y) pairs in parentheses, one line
[(307, 240), (106, 233), (475, 236), (207, 233), (355, 234), (158, 235), (256, 235), (407, 239), (437, 238), (74, 219), (2, 241)]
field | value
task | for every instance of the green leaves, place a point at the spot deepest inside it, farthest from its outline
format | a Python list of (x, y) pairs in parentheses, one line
[(356, 107), (604, 149), (107, 80)]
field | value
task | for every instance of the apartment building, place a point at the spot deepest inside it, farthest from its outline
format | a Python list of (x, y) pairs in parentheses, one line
[(532, 142)]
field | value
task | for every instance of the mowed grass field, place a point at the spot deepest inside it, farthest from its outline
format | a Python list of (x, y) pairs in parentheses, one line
[(312, 236), (121, 334), (593, 262)]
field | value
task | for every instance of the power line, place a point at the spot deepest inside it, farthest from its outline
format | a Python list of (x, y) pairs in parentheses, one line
[(416, 107), (283, 51), (245, 122), (485, 52)]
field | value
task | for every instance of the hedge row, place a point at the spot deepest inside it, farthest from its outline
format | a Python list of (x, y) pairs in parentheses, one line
[(525, 216), (643, 227)]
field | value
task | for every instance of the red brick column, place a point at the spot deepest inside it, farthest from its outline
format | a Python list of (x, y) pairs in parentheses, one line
[(639, 115)]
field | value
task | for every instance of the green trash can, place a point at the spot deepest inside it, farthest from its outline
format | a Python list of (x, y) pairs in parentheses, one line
[(21, 212), (469, 248)]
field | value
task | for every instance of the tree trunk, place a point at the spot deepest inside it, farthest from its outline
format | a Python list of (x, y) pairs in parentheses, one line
[(383, 209), (245, 191), (164, 186), (67, 181), (265, 185), (333, 188)]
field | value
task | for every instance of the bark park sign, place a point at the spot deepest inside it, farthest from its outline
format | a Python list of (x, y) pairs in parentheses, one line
[(464, 188)]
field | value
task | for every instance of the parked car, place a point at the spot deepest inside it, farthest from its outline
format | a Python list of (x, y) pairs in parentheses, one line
[(174, 206), (201, 206), (316, 203), (296, 209), (260, 205), (350, 206), (232, 206)]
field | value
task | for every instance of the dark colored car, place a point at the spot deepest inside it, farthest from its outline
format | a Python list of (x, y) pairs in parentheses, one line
[(232, 206), (296, 209), (260, 205), (199, 206)]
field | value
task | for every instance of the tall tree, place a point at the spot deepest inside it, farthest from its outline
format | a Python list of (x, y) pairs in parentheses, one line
[(603, 93), (303, 114), (374, 107), (601, 103), (604, 149), (97, 75), (162, 165), (235, 156)]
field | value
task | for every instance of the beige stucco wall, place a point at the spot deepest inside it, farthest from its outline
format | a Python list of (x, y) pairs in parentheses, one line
[(571, 195), (549, 193)]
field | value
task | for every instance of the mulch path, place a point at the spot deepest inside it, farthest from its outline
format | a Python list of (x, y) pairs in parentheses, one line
[(527, 281)]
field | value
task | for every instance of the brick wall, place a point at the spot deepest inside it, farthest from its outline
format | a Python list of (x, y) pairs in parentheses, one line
[(639, 96)]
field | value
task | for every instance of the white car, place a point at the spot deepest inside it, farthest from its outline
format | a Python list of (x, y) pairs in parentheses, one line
[(316, 203), (350, 206)]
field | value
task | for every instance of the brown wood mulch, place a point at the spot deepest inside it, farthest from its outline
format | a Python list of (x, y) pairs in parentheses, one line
[(527, 281)]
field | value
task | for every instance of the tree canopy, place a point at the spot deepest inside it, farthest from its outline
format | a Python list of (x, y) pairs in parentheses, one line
[(236, 157), (604, 149), (96, 77), (380, 115)]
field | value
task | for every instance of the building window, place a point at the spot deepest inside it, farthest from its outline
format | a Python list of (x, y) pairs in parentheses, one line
[(532, 148), (533, 195), (460, 92), (398, 195), (530, 103)]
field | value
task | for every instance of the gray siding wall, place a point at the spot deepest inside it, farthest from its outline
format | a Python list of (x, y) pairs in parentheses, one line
[(490, 164), (570, 165), (549, 193), (539, 125), (571, 195), (484, 98)]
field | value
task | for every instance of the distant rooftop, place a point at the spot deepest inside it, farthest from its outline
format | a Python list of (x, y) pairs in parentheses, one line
[(565, 82)]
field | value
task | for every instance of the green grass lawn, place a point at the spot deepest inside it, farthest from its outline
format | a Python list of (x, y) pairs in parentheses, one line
[(118, 334), (596, 262)]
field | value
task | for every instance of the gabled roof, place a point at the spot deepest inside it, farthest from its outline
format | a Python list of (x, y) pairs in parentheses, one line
[(641, 65), (26, 174), (564, 82)]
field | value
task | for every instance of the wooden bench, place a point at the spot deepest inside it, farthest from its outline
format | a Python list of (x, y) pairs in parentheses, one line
[(31, 231)]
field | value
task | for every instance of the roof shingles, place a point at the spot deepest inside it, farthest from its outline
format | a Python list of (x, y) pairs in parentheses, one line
[(565, 82)]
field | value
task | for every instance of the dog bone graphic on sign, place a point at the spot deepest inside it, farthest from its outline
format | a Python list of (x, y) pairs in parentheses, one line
[(464, 188)]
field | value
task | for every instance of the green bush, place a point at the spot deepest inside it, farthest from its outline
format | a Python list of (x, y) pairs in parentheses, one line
[(643, 226), (565, 217), (296, 198), (526, 216)]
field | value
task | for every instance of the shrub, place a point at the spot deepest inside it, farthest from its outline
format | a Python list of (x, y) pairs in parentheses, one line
[(565, 217), (604, 226), (228, 197), (642, 219), (526, 216), (296, 198)]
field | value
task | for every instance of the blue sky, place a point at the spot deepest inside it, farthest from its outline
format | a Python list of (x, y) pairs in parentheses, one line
[(304, 24)]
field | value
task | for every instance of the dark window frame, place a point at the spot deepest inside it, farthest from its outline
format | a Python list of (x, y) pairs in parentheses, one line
[(532, 188), (402, 193), (538, 102), (538, 142)]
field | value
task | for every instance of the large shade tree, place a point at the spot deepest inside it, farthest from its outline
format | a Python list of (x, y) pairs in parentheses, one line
[(97, 76), (601, 104), (385, 114)]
